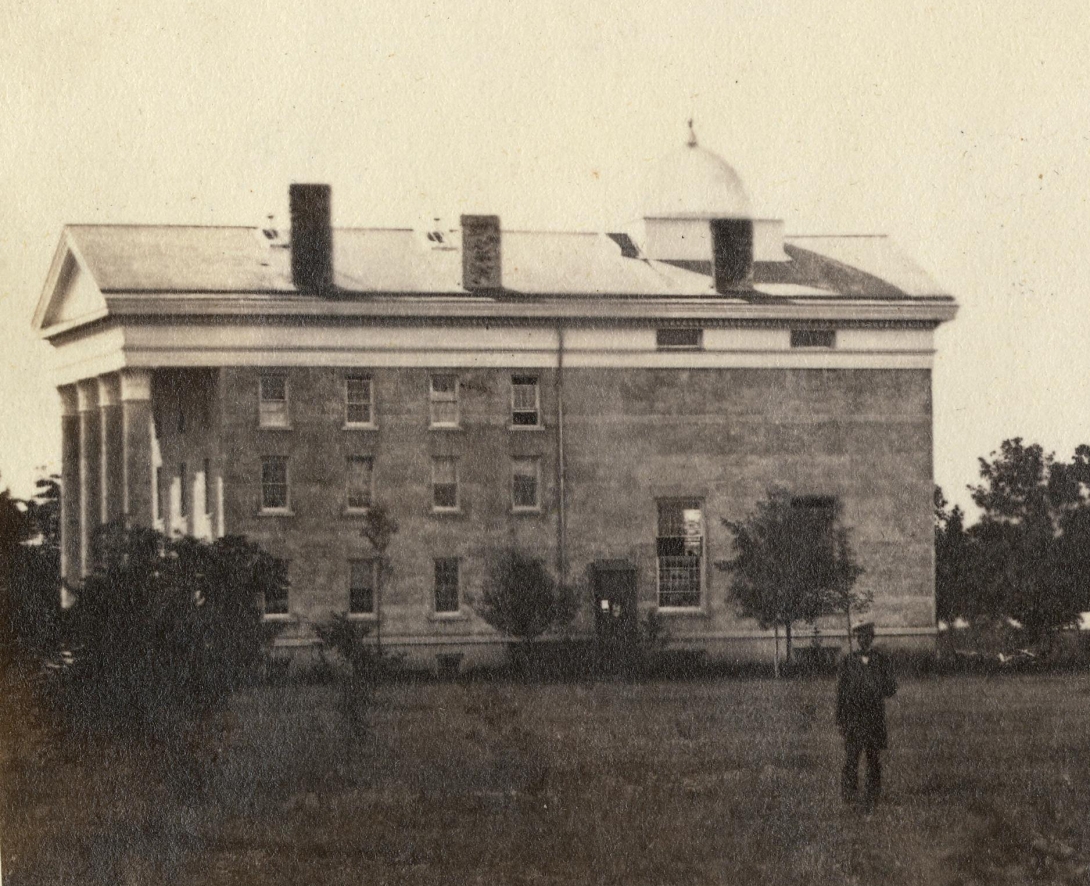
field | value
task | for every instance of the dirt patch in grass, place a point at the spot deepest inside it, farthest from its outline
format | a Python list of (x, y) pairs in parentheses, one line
[(696, 782)]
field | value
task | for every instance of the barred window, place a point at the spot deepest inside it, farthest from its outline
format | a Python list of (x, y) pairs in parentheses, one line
[(525, 401), (273, 401), (274, 483), (444, 484), (443, 396), (446, 585), (813, 338), (680, 553), (358, 400), (525, 484)]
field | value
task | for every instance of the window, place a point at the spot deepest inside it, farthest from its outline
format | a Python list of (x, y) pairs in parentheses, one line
[(679, 339), (274, 483), (444, 401), (444, 484), (525, 483), (813, 338), (208, 493), (446, 584), (358, 400), (183, 505), (360, 474), (273, 405), (276, 603), (680, 553), (361, 587), (525, 401)]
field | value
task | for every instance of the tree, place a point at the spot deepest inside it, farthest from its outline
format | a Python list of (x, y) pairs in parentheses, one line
[(379, 528), (163, 630), (958, 564), (1031, 560), (522, 600), (793, 562)]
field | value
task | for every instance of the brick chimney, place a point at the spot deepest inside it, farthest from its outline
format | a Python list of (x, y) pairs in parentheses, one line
[(481, 261), (732, 251), (311, 237)]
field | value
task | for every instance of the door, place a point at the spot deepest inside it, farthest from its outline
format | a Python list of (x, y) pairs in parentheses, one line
[(615, 622)]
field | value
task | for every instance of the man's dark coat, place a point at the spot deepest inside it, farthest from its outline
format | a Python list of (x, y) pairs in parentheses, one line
[(861, 694)]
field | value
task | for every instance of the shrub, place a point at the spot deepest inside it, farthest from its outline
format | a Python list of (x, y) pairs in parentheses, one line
[(164, 630), (522, 600)]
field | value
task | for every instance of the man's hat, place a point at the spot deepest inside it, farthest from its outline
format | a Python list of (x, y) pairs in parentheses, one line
[(866, 627)]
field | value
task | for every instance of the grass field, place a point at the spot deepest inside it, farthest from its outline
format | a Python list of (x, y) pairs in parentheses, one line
[(719, 781)]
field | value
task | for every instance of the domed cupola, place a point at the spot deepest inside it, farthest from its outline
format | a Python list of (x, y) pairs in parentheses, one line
[(697, 214), (694, 183)]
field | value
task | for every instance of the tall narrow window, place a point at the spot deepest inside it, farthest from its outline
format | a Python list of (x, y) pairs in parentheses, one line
[(525, 401), (208, 486), (444, 484), (525, 484), (274, 483), (680, 553), (358, 400), (183, 500), (443, 397), (276, 600), (360, 475), (446, 585), (361, 587), (273, 401)]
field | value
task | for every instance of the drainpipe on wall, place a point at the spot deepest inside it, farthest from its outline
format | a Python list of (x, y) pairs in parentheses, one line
[(561, 522)]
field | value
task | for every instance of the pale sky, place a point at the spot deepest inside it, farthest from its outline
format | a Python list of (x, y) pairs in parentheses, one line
[(962, 129)]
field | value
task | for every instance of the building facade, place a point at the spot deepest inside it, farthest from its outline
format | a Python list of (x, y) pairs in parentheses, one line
[(601, 401)]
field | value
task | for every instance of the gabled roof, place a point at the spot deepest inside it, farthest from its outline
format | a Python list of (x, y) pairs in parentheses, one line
[(95, 262)]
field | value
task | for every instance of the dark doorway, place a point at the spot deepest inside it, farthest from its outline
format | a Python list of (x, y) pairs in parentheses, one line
[(616, 626)]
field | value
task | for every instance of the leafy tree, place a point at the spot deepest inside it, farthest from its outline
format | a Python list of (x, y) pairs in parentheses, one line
[(164, 630), (522, 600), (1031, 561), (958, 563), (30, 574), (793, 563)]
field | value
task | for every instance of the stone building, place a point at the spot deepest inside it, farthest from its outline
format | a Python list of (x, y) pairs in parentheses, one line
[(601, 400)]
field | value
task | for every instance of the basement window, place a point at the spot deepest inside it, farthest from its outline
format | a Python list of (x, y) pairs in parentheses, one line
[(813, 338), (682, 339)]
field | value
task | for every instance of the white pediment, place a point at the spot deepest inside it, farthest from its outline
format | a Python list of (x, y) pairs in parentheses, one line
[(71, 295)]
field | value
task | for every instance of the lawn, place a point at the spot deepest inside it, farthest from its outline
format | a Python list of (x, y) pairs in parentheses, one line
[(716, 781)]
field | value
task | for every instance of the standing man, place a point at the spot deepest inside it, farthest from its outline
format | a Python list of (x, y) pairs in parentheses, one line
[(866, 681)]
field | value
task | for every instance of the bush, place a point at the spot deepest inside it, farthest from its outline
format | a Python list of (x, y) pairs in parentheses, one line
[(164, 630), (522, 600)]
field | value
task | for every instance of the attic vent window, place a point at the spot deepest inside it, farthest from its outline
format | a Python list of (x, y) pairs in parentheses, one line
[(813, 338), (679, 339)]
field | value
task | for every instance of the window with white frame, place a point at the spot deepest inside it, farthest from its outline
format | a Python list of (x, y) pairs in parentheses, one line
[(443, 398), (680, 546), (274, 483), (444, 484), (525, 401), (359, 400), (360, 473), (273, 401), (526, 484), (447, 597), (361, 586)]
